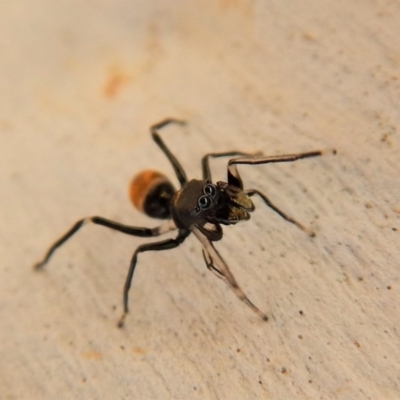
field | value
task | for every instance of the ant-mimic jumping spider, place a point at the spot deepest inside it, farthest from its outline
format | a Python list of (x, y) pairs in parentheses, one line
[(199, 207)]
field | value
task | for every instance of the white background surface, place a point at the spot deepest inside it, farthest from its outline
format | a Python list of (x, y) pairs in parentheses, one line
[(80, 84)]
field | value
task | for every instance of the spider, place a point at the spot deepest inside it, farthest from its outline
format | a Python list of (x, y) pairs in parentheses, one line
[(199, 207)]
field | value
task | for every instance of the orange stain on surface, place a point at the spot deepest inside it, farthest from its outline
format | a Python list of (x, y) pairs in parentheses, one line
[(115, 82), (93, 355), (139, 350), (243, 7)]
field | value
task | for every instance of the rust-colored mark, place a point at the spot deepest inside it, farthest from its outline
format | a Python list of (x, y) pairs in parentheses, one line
[(397, 210), (309, 37), (93, 355), (139, 350), (357, 343), (115, 82), (244, 7)]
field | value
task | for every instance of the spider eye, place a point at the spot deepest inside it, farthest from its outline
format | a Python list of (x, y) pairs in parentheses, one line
[(209, 190), (204, 202)]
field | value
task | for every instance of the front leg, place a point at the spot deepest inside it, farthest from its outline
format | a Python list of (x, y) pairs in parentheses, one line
[(211, 255), (233, 173), (205, 162), (210, 265), (267, 201)]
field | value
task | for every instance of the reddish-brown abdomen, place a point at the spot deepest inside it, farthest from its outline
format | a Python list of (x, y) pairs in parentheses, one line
[(151, 192)]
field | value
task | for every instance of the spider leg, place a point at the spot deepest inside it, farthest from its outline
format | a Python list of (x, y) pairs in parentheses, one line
[(268, 202), (156, 246), (180, 173), (210, 265), (211, 255), (205, 161), (129, 230), (233, 174)]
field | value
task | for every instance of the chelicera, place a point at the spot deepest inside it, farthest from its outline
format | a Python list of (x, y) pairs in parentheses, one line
[(199, 207)]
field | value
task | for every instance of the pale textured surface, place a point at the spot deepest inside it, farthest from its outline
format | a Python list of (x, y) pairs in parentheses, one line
[(82, 81)]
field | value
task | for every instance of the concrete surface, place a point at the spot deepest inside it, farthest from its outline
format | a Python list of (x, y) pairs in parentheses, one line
[(81, 82)]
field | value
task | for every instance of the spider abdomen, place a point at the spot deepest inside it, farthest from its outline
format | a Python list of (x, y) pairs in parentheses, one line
[(151, 193)]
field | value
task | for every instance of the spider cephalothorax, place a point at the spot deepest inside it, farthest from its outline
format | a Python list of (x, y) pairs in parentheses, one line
[(199, 202)]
